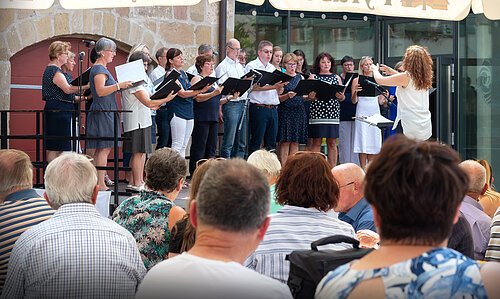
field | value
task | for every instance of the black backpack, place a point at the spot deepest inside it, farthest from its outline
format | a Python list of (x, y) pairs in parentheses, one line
[(308, 267)]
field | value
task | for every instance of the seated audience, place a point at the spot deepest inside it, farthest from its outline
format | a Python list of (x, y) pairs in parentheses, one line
[(230, 217), (77, 253), (20, 206), (270, 166), (183, 233), (352, 206), (493, 251), (479, 222), (461, 238), (414, 218), (308, 190), (490, 200), (151, 215)]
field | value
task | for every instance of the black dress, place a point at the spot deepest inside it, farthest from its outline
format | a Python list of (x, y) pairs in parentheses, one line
[(57, 123), (292, 117)]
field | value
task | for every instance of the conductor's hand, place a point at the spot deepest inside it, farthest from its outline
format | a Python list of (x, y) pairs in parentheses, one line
[(386, 70), (374, 67), (125, 84)]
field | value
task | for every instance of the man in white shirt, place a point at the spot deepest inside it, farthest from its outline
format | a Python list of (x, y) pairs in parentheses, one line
[(77, 253), (263, 102), (203, 49), (230, 217), (159, 71), (160, 118), (234, 138)]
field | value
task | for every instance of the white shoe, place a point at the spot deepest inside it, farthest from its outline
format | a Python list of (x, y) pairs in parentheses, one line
[(135, 188)]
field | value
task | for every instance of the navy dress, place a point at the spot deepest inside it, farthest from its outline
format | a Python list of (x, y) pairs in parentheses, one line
[(292, 117), (57, 123), (101, 124)]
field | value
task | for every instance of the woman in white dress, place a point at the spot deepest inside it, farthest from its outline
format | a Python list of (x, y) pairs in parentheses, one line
[(367, 139)]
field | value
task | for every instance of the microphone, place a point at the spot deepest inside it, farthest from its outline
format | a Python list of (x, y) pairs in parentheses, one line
[(381, 89), (88, 43), (81, 55), (374, 84)]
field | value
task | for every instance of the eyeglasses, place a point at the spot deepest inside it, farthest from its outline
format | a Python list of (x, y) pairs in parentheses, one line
[(346, 185), (146, 64), (235, 49), (310, 153), (267, 51), (113, 51), (291, 64), (201, 161)]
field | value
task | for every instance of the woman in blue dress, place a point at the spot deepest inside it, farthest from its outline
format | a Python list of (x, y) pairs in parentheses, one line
[(58, 94), (415, 190), (292, 117), (104, 88)]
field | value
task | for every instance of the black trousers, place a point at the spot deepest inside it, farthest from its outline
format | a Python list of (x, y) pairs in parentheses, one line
[(203, 142)]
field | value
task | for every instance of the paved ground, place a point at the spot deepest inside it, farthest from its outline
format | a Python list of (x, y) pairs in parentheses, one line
[(180, 201)]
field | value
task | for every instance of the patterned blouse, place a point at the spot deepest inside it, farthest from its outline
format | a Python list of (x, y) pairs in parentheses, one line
[(438, 273), (145, 216)]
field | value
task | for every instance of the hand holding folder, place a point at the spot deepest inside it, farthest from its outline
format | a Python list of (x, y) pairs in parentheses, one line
[(85, 78), (268, 78), (164, 90), (173, 75), (203, 83), (233, 85), (323, 90)]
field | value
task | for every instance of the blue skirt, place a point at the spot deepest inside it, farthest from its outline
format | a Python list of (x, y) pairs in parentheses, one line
[(323, 131), (58, 123)]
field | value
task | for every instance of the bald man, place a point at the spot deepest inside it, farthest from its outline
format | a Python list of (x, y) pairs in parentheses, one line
[(473, 211), (352, 206)]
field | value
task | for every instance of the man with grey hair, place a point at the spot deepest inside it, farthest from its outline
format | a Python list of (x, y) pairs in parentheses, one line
[(478, 220), (159, 71), (20, 206), (230, 217), (77, 253), (203, 49)]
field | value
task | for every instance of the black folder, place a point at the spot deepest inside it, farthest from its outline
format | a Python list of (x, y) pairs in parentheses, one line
[(84, 77), (190, 76), (273, 78), (349, 77), (204, 82), (232, 85), (165, 90), (369, 90), (324, 91), (251, 74), (173, 75)]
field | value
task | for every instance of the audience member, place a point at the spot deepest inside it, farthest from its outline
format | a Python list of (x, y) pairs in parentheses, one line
[(479, 222), (490, 200), (493, 251), (270, 166), (234, 140), (414, 218), (20, 206), (77, 253), (308, 190), (461, 238), (230, 216), (151, 215), (352, 206)]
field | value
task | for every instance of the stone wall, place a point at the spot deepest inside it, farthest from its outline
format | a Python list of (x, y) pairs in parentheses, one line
[(178, 26)]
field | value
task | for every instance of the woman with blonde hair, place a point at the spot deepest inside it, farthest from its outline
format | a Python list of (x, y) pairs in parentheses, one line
[(490, 200), (412, 91), (270, 166)]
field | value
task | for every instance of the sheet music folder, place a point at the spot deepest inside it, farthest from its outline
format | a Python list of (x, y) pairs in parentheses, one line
[(204, 82), (323, 90), (375, 120), (85, 78), (369, 90), (348, 81), (273, 78), (165, 90), (233, 85), (173, 75)]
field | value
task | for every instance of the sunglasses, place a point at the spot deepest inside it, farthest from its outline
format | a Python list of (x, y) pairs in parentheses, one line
[(201, 161)]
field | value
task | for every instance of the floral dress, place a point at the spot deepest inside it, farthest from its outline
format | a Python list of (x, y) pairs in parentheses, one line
[(145, 216)]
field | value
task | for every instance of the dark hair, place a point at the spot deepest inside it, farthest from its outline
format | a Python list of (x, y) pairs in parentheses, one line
[(201, 59), (138, 55), (160, 51), (306, 181), (416, 188), (345, 59), (164, 169), (305, 66), (171, 53), (233, 196), (93, 55), (316, 68)]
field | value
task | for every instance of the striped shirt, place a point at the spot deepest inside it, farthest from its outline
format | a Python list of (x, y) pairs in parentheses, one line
[(493, 250), (20, 211), (294, 228), (75, 254)]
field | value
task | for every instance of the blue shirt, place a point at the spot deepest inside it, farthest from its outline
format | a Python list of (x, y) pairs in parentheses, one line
[(360, 216), (182, 107)]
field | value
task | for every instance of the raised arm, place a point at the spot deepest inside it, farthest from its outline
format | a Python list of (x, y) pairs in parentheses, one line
[(395, 79)]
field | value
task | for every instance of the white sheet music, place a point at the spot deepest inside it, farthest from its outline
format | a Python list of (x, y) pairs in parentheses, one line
[(132, 71)]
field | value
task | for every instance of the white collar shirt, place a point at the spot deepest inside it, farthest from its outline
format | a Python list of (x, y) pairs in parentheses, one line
[(229, 68), (264, 97)]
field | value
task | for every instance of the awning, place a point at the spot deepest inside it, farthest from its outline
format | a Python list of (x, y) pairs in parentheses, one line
[(88, 4), (23, 4)]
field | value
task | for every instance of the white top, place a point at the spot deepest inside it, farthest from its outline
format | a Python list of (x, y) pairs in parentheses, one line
[(140, 117), (157, 73), (230, 68), (266, 97), (190, 276), (413, 111)]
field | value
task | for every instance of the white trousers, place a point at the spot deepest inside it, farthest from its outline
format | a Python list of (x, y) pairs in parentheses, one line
[(346, 143), (181, 130)]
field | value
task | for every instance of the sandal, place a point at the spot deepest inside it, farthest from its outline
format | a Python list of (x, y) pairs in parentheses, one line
[(108, 181)]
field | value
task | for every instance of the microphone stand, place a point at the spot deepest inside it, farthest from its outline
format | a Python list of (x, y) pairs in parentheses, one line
[(76, 127)]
